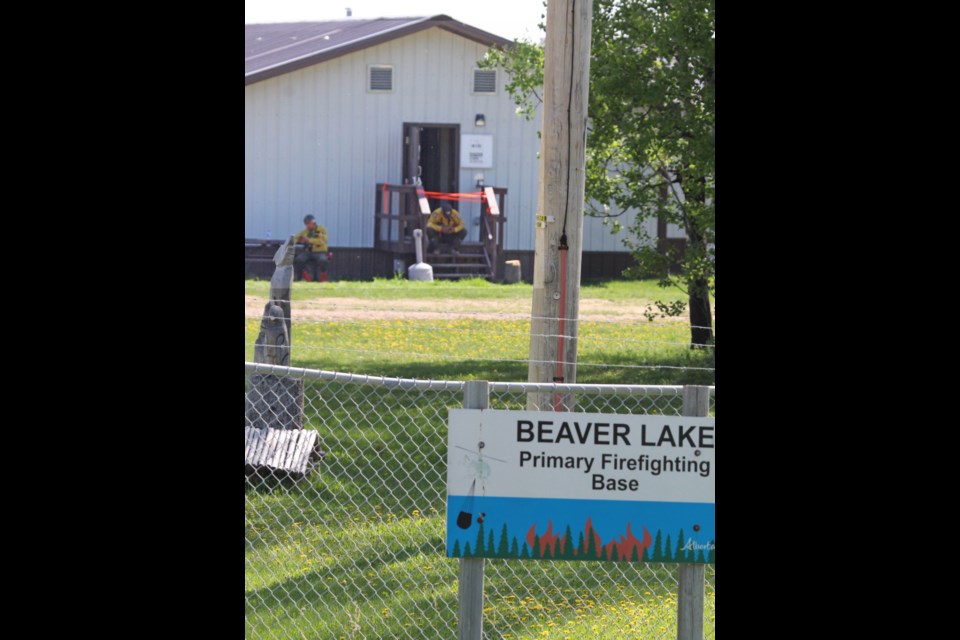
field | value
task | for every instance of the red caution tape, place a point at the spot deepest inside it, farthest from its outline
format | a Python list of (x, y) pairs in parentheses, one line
[(473, 196), (440, 195)]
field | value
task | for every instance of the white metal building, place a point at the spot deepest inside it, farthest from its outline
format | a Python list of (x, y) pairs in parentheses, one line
[(330, 111)]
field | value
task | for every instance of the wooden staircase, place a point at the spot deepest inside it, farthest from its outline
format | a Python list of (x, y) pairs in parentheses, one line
[(397, 214), (471, 263)]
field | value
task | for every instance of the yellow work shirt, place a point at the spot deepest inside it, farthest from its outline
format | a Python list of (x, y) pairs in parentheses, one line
[(316, 239), (438, 220)]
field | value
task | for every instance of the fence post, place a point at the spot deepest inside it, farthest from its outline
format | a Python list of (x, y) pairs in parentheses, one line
[(476, 395), (696, 402)]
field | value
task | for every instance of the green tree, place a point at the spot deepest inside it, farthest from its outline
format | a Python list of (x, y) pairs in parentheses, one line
[(651, 146), (479, 546), (700, 557), (491, 546), (712, 557), (666, 551), (592, 551), (535, 551), (658, 548), (513, 549), (581, 550), (466, 550), (567, 553), (524, 551), (456, 549), (681, 554), (503, 551)]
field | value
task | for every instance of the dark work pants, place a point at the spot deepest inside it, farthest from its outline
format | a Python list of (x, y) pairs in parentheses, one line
[(315, 263), (434, 237)]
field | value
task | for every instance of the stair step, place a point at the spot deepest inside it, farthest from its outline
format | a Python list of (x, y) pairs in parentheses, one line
[(468, 261), (460, 269), (449, 256), (459, 263), (457, 276)]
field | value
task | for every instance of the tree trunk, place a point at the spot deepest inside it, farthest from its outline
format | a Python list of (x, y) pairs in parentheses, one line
[(701, 320)]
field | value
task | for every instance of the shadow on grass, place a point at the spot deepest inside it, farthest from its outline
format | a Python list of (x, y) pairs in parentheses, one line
[(385, 454), (360, 592), (379, 597), (318, 585)]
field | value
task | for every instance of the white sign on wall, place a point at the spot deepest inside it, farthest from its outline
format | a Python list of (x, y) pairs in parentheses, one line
[(476, 151)]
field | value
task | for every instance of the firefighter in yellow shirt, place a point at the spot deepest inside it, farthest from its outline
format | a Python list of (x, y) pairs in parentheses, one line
[(311, 251), (445, 226)]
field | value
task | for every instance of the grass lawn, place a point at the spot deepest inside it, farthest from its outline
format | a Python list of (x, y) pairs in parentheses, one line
[(612, 350), (357, 549)]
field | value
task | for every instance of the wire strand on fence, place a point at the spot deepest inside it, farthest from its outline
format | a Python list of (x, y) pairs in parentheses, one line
[(443, 356), (456, 385)]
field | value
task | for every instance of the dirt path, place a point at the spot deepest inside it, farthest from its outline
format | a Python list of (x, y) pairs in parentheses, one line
[(367, 309)]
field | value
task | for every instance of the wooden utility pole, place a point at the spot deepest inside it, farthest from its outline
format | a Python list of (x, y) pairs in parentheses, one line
[(556, 267)]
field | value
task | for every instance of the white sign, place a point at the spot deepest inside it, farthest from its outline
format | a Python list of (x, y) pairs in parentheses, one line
[(587, 456), (581, 486), (476, 151)]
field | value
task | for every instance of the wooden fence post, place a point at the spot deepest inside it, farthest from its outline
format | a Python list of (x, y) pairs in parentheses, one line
[(696, 402), (476, 395)]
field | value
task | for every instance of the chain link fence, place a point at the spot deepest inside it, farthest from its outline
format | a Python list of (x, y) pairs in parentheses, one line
[(356, 548)]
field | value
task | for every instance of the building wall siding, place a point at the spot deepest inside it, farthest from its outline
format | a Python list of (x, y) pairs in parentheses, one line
[(316, 141), (367, 264)]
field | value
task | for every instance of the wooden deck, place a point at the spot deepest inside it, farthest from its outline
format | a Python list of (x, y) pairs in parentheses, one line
[(397, 214)]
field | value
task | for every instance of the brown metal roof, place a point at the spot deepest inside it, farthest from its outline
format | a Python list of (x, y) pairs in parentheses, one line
[(274, 49)]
